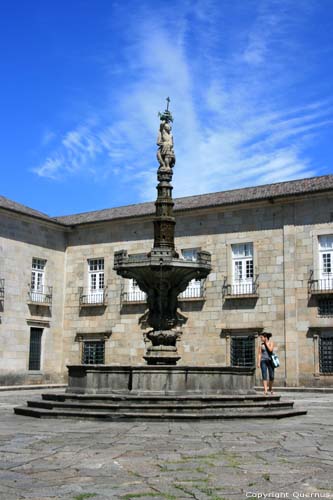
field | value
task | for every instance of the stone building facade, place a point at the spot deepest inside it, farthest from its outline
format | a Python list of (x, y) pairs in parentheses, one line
[(62, 303)]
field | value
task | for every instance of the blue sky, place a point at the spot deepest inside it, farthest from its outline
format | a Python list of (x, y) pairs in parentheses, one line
[(82, 82)]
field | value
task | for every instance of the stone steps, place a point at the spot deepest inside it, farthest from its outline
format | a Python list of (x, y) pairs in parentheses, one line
[(166, 407), (148, 416), (157, 399), (161, 407)]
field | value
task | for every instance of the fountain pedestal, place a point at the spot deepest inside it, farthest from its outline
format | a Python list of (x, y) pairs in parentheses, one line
[(163, 350)]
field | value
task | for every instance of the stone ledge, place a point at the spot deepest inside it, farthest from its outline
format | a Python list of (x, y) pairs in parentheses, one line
[(31, 387)]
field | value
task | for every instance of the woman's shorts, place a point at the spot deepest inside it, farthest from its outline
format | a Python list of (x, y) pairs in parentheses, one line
[(266, 365)]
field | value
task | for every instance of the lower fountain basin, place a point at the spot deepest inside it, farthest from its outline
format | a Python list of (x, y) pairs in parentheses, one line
[(166, 379)]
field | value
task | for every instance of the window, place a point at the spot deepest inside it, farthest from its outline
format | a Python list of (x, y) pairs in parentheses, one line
[(35, 348), (242, 268), (95, 281), (242, 351), (93, 352), (195, 287), (325, 307), (325, 255), (190, 254), (326, 352), (37, 274), (38, 292)]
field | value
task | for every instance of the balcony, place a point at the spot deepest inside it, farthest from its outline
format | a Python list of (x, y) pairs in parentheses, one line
[(241, 290), (41, 296), (322, 286), (134, 297), (194, 291), (92, 298)]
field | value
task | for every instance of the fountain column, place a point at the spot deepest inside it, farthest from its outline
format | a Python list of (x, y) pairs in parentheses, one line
[(163, 274)]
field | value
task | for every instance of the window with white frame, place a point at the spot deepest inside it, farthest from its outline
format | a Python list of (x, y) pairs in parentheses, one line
[(37, 288), (95, 281), (242, 268), (190, 254), (37, 274), (135, 294), (195, 287), (325, 258)]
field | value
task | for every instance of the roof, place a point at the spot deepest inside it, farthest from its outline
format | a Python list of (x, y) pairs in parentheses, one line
[(23, 209), (222, 198)]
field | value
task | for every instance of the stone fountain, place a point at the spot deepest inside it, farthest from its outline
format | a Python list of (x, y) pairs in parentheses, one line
[(163, 274), (160, 389)]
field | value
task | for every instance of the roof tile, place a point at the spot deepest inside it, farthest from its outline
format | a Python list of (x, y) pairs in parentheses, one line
[(280, 189)]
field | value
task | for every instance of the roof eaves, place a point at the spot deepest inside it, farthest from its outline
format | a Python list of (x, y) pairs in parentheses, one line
[(34, 216)]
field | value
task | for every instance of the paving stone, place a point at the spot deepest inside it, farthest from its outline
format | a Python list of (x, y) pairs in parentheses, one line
[(62, 459)]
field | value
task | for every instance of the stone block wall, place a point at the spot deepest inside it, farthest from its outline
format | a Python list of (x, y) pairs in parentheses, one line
[(21, 240), (284, 252), (284, 235)]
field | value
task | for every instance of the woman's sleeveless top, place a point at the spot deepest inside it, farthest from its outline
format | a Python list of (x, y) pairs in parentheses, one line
[(264, 353)]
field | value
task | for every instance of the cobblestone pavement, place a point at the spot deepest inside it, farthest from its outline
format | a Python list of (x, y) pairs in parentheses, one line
[(77, 460)]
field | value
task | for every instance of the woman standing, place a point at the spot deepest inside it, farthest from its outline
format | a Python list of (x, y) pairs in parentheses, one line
[(266, 347)]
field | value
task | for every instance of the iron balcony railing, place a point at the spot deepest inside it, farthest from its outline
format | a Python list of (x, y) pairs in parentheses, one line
[(137, 296), (193, 291), (41, 295), (241, 289), (89, 297), (134, 296), (320, 286)]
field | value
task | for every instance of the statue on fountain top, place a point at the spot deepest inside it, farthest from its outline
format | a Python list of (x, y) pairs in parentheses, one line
[(165, 154)]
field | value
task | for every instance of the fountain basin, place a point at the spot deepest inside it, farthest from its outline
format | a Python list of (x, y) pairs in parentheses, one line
[(167, 379)]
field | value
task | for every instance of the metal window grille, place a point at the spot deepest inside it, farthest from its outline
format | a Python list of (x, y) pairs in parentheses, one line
[(325, 307), (242, 351), (35, 348), (93, 352), (326, 354)]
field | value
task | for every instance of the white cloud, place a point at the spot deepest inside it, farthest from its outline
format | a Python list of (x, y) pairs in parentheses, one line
[(230, 130)]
